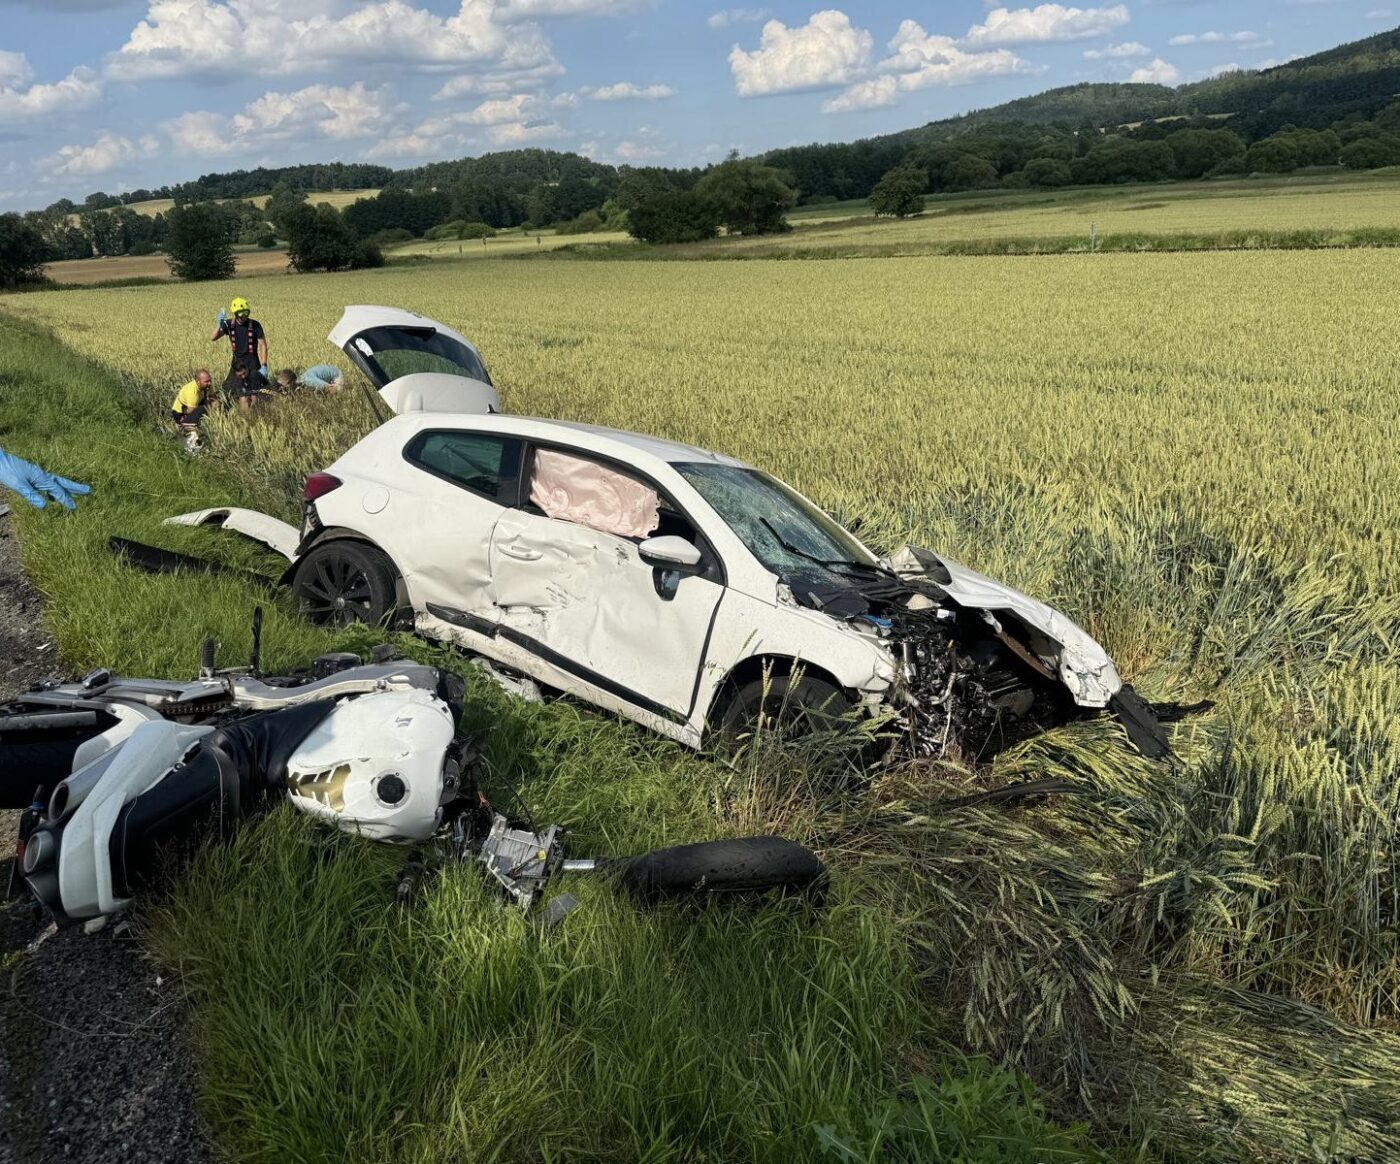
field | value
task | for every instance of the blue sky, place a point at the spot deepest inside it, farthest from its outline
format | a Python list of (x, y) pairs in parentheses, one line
[(116, 94)]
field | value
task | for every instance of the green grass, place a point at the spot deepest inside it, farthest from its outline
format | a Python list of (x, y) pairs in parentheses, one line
[(1192, 454), (333, 1026)]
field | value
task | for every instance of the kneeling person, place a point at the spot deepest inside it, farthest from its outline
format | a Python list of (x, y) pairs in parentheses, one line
[(192, 401), (190, 405), (243, 384)]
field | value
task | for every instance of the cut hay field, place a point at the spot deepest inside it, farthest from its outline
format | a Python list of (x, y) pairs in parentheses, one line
[(507, 243), (337, 198), (84, 272), (1192, 454)]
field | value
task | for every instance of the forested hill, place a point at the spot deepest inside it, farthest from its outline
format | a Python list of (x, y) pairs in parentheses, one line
[(1363, 77)]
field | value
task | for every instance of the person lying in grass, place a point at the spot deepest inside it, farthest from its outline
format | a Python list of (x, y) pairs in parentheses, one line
[(321, 378)]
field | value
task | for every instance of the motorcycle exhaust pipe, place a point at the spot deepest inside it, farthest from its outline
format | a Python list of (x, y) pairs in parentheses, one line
[(69, 793)]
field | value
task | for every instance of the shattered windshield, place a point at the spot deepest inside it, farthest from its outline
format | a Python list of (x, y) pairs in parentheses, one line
[(782, 530), (391, 352)]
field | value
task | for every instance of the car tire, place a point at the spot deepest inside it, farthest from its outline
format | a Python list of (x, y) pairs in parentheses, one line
[(342, 582), (745, 865), (794, 706)]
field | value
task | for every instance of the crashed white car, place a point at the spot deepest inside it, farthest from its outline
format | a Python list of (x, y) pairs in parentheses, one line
[(675, 586)]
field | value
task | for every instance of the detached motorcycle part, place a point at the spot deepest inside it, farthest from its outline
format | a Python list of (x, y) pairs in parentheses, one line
[(155, 560), (745, 865)]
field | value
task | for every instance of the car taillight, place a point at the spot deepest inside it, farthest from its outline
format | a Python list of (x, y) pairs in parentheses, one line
[(319, 484)]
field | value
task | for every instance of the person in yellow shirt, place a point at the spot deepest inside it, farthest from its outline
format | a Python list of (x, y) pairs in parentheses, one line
[(190, 404)]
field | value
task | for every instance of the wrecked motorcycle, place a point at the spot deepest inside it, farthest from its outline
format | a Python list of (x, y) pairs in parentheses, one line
[(121, 774)]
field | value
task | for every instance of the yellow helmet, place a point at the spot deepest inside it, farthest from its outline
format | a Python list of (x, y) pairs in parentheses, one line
[(239, 304)]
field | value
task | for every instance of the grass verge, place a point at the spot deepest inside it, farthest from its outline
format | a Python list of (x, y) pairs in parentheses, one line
[(334, 1027)]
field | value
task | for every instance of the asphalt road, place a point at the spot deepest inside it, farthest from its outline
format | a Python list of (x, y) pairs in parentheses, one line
[(95, 1056)]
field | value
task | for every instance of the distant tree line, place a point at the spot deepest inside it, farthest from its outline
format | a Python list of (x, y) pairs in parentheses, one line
[(1337, 108)]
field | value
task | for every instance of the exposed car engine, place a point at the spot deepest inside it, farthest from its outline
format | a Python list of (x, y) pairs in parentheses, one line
[(973, 677)]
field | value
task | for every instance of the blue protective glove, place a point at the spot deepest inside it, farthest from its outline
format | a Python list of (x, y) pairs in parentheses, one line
[(27, 480), (223, 316), (262, 371)]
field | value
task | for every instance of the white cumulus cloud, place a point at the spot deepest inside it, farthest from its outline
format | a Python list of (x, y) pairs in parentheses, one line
[(918, 60), (1159, 72), (876, 93), (1044, 23), (494, 82), (340, 113), (825, 52), (1216, 38), (543, 9), (730, 16), (518, 119), (638, 151), (15, 72), (1118, 52), (23, 100), (106, 153), (227, 38), (626, 91)]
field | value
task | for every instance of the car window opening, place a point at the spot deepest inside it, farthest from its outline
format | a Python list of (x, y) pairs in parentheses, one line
[(484, 464)]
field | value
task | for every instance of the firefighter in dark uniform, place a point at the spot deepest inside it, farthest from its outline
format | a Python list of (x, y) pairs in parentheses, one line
[(249, 343)]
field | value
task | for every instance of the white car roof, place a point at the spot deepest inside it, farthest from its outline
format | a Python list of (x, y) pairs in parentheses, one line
[(658, 447), (539, 428)]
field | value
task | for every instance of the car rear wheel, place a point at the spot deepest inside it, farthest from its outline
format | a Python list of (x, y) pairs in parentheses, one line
[(342, 582)]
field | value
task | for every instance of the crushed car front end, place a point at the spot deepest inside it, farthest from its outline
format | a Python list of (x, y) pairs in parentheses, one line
[(976, 664)]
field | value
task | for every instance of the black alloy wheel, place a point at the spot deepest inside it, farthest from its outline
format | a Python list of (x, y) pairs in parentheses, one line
[(343, 582)]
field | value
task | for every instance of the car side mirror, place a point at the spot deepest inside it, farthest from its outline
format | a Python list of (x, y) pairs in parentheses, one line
[(669, 553)]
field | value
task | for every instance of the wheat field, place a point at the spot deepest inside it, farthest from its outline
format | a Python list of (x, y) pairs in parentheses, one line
[(1194, 455)]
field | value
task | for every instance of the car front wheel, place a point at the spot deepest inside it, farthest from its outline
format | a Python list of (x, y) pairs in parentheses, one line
[(342, 582), (794, 706)]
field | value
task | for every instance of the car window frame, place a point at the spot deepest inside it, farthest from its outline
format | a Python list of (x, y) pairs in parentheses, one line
[(508, 490), (712, 567)]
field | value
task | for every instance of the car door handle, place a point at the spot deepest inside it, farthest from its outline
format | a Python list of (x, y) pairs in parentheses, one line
[(522, 553)]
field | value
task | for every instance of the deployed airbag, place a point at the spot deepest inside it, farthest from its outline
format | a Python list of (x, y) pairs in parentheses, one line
[(575, 489)]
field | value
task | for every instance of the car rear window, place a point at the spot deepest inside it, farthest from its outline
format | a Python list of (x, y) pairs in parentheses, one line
[(392, 352), (483, 463)]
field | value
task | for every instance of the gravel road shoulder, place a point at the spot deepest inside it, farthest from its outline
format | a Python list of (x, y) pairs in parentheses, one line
[(95, 1059)]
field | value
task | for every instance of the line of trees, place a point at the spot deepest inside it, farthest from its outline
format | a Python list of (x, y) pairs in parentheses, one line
[(1334, 109), (1021, 156)]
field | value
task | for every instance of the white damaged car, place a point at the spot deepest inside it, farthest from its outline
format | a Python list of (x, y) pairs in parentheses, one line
[(675, 586)]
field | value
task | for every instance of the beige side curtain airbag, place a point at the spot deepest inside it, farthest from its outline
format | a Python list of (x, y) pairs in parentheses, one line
[(573, 489)]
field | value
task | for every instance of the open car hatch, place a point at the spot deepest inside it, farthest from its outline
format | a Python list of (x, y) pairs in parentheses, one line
[(416, 363)]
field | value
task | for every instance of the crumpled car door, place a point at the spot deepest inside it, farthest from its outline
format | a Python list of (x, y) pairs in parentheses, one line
[(585, 601)]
